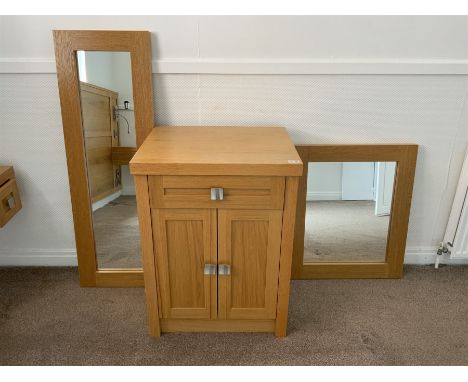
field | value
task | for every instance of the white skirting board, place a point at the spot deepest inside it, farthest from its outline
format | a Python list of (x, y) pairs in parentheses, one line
[(427, 255), (105, 201), (38, 257), (67, 257), (323, 195)]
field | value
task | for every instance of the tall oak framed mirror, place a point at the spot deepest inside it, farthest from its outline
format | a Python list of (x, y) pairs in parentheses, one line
[(352, 210), (106, 98)]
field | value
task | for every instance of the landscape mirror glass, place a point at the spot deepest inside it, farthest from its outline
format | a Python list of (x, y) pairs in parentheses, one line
[(348, 210)]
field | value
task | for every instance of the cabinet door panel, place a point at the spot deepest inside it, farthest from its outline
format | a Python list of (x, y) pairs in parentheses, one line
[(249, 241), (183, 245)]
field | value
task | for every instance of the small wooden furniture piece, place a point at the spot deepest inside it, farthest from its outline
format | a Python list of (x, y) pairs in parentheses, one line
[(10, 202), (101, 134), (217, 209)]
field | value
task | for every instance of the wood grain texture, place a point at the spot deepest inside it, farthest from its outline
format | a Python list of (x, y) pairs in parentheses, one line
[(263, 151), (9, 189), (66, 43), (249, 241), (147, 251), (405, 157), (96, 112), (183, 245), (6, 173), (253, 192), (287, 236), (112, 278), (344, 271), (401, 206), (100, 166), (218, 325), (122, 155), (298, 246), (214, 260)]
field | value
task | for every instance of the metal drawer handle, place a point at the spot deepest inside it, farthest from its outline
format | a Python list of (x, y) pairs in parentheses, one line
[(11, 202), (224, 269), (217, 193), (210, 269)]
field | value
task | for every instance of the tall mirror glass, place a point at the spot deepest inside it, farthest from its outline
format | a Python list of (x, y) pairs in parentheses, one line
[(348, 207), (108, 122)]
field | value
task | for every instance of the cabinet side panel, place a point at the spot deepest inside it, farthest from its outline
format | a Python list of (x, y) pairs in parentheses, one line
[(287, 238), (146, 232)]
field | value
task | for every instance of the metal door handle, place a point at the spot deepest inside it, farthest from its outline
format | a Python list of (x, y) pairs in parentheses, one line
[(217, 193), (210, 269), (224, 269), (11, 202)]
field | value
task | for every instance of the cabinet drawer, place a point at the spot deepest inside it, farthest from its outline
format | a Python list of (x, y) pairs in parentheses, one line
[(10, 202), (252, 192)]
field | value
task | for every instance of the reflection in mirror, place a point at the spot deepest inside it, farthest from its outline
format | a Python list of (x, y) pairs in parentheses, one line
[(108, 122), (116, 229), (348, 211)]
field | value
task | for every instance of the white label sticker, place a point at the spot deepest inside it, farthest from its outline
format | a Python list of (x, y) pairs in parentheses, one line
[(294, 161)]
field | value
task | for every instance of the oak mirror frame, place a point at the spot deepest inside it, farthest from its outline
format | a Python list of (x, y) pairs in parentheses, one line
[(392, 267), (67, 43)]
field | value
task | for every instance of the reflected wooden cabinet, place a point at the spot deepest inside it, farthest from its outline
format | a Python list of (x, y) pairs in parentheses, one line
[(217, 229), (101, 134)]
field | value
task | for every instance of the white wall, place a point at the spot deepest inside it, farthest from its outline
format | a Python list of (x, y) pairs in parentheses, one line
[(327, 79), (207, 44), (99, 69), (324, 180), (113, 71)]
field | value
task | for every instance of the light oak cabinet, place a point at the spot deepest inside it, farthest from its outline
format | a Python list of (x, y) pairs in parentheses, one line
[(217, 210)]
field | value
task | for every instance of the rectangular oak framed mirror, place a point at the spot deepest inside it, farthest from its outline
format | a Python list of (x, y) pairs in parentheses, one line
[(106, 98), (353, 208)]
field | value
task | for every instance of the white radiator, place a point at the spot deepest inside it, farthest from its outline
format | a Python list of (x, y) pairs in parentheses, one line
[(456, 234)]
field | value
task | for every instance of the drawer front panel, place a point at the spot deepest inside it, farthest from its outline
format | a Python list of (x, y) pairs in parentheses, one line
[(10, 202), (195, 192)]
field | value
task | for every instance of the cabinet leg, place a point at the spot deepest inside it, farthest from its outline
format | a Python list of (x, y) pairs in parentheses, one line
[(287, 238), (155, 331)]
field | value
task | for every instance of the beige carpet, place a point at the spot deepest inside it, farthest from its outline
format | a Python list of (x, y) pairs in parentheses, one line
[(344, 231), (422, 319), (117, 234)]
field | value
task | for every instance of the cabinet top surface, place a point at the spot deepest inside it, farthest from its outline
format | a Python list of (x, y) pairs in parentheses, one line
[(217, 151)]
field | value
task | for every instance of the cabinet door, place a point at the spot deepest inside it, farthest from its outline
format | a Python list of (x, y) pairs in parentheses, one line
[(249, 241), (183, 245)]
